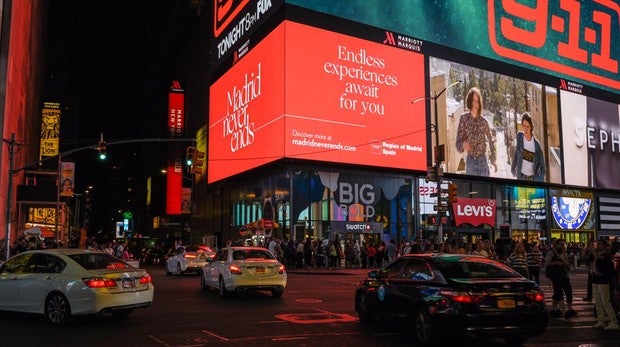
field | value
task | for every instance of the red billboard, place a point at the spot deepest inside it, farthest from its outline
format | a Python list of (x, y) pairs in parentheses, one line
[(309, 93)]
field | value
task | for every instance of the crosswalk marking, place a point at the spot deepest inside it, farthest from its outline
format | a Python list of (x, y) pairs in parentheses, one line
[(585, 310)]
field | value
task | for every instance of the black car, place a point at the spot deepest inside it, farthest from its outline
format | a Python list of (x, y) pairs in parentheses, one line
[(453, 295)]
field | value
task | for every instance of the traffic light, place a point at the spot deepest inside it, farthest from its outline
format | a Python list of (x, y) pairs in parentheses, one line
[(102, 150), (198, 162), (453, 195), (189, 156)]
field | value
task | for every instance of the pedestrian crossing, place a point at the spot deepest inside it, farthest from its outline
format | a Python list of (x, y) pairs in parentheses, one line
[(585, 318)]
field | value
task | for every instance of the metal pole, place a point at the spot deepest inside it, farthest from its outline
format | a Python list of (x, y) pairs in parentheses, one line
[(9, 198), (438, 172)]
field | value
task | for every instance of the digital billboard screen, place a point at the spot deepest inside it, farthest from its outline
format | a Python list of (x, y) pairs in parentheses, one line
[(313, 94), (495, 125), (591, 136)]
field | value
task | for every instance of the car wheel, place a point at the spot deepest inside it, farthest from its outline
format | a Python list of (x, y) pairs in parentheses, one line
[(277, 292), (124, 313), (179, 271), (222, 288), (203, 283), (362, 311), (422, 327), (57, 309)]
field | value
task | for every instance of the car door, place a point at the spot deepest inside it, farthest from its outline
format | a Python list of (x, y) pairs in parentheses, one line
[(41, 273), (385, 305), (11, 273), (407, 285)]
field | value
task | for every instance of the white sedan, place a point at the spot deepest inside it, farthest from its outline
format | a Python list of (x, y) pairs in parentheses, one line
[(61, 283), (237, 269), (188, 259)]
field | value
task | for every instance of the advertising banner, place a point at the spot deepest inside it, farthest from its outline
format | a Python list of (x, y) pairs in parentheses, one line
[(50, 130), (570, 39), (497, 126), (591, 132), (474, 211), (67, 178), (343, 100)]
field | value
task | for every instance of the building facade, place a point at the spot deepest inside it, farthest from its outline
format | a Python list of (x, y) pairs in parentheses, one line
[(334, 119)]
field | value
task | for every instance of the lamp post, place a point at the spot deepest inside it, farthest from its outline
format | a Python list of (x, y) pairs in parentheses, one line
[(438, 156)]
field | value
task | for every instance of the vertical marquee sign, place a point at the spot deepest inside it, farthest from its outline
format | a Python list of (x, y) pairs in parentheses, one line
[(174, 172)]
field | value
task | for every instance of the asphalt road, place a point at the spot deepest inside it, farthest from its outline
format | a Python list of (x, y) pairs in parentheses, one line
[(316, 310)]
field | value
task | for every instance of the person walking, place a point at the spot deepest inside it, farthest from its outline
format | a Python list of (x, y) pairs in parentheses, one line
[(534, 262), (588, 259), (602, 280), (517, 260), (557, 266)]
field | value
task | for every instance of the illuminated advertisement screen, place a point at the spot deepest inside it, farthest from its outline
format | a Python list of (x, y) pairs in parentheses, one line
[(494, 125), (246, 111), (341, 99), (569, 38), (572, 209), (591, 137), (349, 100)]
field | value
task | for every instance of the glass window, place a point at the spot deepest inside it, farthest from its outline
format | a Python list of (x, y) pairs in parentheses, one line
[(417, 269), (474, 269), (16, 265), (46, 263), (98, 261)]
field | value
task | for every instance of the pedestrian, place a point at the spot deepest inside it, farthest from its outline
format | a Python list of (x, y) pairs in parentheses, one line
[(557, 270), (332, 255), (588, 260), (391, 250), (517, 260), (534, 262), (372, 252), (474, 137), (602, 281), (380, 256), (364, 255)]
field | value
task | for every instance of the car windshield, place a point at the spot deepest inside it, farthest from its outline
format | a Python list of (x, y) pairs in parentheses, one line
[(474, 269), (251, 254), (98, 261)]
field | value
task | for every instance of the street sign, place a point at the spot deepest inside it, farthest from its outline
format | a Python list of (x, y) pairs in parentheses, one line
[(441, 208)]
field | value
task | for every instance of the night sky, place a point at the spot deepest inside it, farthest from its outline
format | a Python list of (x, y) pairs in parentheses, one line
[(110, 65)]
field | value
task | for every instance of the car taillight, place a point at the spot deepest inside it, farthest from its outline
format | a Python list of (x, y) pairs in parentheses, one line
[(281, 270), (536, 296), (98, 282), (191, 256), (234, 270), (146, 279), (464, 297)]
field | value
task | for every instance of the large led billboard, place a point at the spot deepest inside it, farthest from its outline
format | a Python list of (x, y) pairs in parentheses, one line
[(591, 137), (313, 94), (494, 125), (246, 111), (576, 39)]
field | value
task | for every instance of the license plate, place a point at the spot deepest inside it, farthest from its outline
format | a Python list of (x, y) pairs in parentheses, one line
[(506, 303), (129, 283), (260, 270)]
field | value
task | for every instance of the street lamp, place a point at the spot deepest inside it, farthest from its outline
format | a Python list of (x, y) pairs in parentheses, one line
[(438, 155)]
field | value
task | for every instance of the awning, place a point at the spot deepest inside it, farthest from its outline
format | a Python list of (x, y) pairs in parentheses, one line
[(263, 223), (39, 231)]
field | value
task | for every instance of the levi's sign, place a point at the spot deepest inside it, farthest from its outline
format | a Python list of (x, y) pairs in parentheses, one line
[(474, 211)]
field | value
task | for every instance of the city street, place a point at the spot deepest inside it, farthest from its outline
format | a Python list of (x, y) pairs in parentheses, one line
[(316, 310)]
